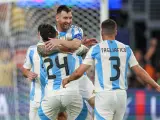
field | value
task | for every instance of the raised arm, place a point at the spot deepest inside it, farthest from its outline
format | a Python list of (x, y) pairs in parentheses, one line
[(76, 74), (139, 71), (73, 44), (44, 52)]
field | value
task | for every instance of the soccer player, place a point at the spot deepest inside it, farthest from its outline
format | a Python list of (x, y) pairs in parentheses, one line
[(57, 98), (34, 70), (67, 31), (70, 36), (111, 62), (31, 70)]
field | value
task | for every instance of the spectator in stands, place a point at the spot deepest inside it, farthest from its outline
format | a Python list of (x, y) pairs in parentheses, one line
[(152, 58), (6, 65), (134, 81)]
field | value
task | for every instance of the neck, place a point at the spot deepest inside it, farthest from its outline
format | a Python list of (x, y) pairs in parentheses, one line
[(108, 37)]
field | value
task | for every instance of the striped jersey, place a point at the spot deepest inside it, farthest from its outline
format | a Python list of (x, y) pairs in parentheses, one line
[(58, 67), (71, 33), (34, 63), (111, 59)]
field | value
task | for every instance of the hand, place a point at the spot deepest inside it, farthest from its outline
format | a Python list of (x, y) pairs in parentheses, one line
[(31, 75), (41, 49), (158, 88), (65, 81), (52, 43), (89, 42)]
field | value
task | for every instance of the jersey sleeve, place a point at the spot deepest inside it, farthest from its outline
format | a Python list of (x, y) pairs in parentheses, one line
[(132, 59), (27, 63), (78, 33), (89, 59)]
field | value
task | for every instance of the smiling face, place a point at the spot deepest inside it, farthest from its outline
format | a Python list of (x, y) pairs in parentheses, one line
[(64, 20)]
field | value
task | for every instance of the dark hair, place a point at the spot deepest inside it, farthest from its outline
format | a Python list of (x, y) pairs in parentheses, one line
[(63, 8), (109, 26), (46, 31)]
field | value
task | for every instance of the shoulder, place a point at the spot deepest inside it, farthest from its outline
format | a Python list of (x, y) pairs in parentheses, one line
[(120, 43), (128, 47), (76, 28), (32, 47), (95, 48)]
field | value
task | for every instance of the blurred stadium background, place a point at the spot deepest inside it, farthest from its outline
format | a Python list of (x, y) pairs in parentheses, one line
[(138, 26)]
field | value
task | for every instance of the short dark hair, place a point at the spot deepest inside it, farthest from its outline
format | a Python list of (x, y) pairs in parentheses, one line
[(46, 31), (109, 26), (63, 8)]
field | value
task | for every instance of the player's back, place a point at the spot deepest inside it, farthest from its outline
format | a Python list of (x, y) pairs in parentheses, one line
[(58, 66), (111, 62)]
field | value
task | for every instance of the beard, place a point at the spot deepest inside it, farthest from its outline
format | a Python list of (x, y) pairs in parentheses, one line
[(65, 27)]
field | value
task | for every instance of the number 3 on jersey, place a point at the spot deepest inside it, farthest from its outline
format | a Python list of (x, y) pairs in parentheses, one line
[(65, 65), (116, 67)]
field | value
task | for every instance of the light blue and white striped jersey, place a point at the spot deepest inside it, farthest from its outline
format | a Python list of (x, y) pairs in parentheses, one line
[(34, 63), (71, 33), (58, 67), (111, 59)]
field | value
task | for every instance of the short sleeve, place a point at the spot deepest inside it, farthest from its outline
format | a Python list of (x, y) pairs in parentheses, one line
[(78, 34), (27, 63), (132, 59)]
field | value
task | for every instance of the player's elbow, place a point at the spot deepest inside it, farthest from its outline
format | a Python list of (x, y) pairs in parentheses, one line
[(139, 71)]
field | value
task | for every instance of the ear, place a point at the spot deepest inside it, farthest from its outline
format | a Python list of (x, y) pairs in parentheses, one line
[(39, 35), (102, 32), (57, 17), (116, 32)]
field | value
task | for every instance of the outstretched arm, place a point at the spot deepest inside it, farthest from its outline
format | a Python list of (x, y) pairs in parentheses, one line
[(42, 50), (76, 74), (140, 72)]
